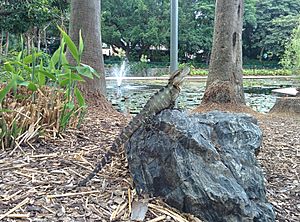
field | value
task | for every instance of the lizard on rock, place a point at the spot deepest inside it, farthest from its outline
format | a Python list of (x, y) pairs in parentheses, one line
[(163, 99)]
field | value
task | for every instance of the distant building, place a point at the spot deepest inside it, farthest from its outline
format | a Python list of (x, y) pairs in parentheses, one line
[(159, 48), (107, 50)]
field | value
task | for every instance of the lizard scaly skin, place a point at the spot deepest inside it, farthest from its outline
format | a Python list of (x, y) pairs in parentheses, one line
[(163, 99)]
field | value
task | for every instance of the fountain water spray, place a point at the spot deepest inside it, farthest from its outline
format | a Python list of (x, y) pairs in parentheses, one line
[(120, 72)]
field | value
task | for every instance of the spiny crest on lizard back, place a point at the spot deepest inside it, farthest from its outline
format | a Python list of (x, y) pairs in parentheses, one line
[(163, 99)]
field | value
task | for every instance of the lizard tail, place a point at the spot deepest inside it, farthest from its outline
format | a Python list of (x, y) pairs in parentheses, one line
[(105, 160)]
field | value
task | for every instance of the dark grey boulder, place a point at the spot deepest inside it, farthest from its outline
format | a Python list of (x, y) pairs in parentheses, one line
[(202, 164)]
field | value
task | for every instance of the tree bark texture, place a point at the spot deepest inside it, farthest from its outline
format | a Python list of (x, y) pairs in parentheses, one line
[(85, 16), (287, 105), (225, 79)]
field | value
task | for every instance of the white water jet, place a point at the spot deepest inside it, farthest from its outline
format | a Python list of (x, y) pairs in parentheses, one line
[(120, 72)]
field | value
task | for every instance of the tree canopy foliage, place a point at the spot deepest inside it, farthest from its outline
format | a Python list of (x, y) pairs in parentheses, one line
[(135, 24), (291, 58), (139, 26), (196, 20), (18, 16), (276, 20)]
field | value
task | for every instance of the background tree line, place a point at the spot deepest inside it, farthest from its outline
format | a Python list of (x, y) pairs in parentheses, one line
[(35, 20), (140, 27)]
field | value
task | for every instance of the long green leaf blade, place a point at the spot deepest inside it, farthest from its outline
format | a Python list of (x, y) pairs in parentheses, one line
[(19, 56), (8, 67), (64, 82), (84, 71), (6, 110), (6, 89), (55, 58), (92, 70), (29, 59), (30, 85), (72, 47), (81, 45), (79, 97), (41, 78), (48, 74)]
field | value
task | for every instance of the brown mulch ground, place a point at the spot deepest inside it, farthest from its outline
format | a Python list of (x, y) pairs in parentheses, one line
[(280, 160), (37, 181)]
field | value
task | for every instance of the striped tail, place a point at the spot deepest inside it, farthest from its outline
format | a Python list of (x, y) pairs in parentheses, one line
[(105, 160), (127, 131)]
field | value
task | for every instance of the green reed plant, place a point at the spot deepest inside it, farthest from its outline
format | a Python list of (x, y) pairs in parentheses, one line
[(39, 70)]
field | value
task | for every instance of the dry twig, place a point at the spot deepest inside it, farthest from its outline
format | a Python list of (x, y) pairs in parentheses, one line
[(25, 201)]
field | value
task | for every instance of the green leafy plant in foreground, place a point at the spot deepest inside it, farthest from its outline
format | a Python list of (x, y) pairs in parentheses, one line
[(38, 71)]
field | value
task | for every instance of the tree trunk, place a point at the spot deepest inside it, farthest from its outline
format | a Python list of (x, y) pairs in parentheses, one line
[(7, 43), (45, 39), (1, 42), (127, 52), (225, 79), (28, 43), (287, 106), (261, 54), (38, 40), (85, 16)]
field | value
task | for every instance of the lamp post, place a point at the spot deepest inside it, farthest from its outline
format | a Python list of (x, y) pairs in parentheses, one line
[(174, 36)]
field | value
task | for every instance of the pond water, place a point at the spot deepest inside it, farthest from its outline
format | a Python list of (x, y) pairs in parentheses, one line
[(132, 95)]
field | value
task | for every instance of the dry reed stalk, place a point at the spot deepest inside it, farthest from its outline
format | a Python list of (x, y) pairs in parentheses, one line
[(20, 216), (168, 212), (25, 201), (29, 117), (72, 194)]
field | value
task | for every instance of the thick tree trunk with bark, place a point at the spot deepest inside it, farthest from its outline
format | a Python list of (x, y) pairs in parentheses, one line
[(225, 80), (85, 16)]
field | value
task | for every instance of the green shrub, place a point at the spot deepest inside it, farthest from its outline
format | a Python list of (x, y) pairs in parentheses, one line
[(249, 72), (291, 57), (28, 78), (267, 72)]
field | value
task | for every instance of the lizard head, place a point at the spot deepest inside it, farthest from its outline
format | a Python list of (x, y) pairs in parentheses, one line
[(178, 76)]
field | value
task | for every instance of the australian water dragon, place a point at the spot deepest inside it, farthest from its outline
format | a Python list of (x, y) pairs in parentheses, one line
[(163, 99)]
